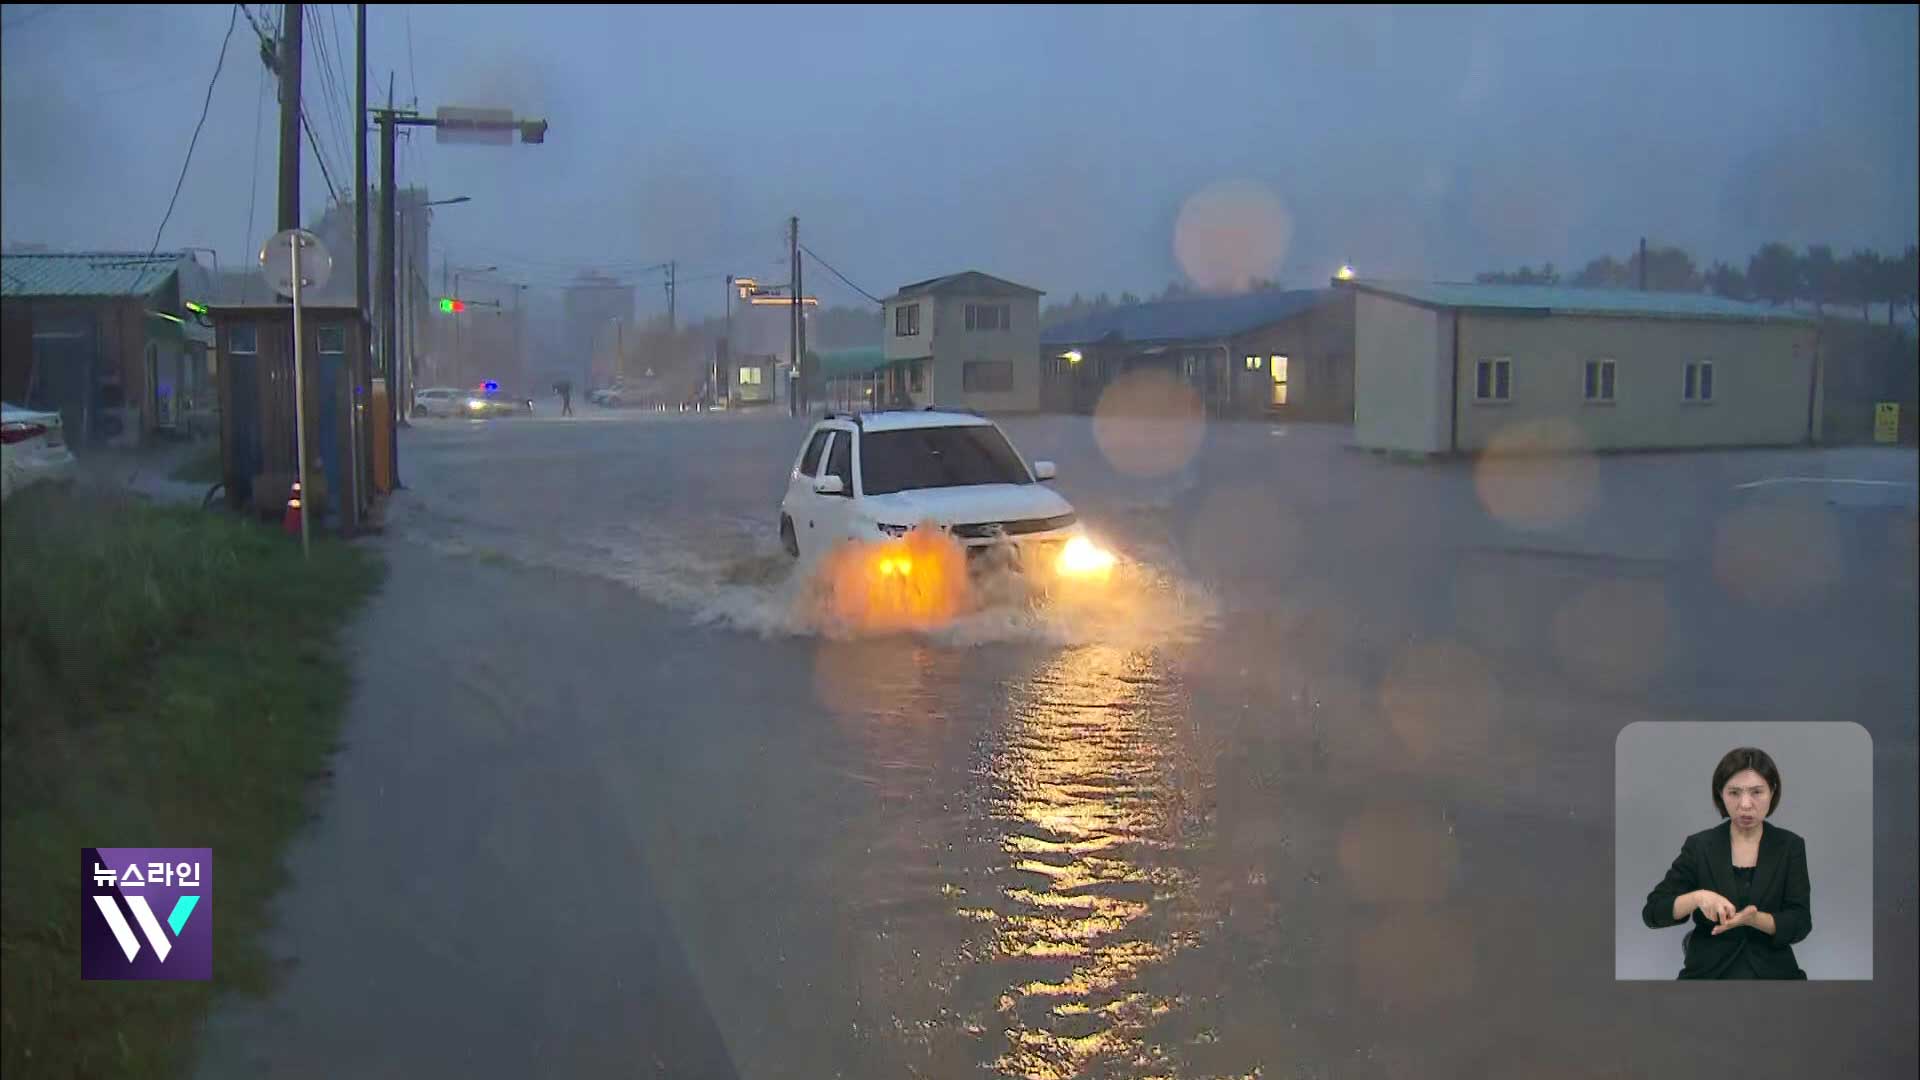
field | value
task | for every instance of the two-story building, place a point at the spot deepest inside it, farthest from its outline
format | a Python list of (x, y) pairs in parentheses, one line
[(967, 340)]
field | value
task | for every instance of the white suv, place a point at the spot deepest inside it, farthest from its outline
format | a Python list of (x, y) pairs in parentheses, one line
[(873, 476)]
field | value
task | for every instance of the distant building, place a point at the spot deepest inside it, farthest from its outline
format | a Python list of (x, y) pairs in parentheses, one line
[(968, 340), (103, 338), (1443, 367), (599, 312), (1281, 353)]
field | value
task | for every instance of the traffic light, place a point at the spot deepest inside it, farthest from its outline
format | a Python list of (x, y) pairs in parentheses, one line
[(449, 306)]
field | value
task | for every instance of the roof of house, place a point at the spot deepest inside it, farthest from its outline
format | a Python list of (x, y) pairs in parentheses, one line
[(971, 282), (1568, 300), (87, 274), (1197, 318)]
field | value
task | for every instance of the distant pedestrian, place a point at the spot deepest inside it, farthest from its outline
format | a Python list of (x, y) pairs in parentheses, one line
[(565, 389)]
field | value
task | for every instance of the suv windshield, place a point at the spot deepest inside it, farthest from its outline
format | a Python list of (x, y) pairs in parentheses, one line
[(938, 457)]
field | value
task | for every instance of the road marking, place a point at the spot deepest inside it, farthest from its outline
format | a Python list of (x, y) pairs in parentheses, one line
[(1772, 480)]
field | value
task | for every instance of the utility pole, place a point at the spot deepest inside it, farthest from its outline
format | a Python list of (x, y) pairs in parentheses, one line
[(670, 268), (362, 368), (290, 49), (389, 330), (793, 318), (1643, 264), (800, 313)]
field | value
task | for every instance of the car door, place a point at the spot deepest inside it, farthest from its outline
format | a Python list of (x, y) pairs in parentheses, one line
[(801, 501), (834, 513)]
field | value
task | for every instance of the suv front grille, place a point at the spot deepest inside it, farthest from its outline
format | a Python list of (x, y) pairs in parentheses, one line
[(988, 530)]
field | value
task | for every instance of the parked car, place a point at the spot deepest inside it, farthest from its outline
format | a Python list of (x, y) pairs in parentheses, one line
[(608, 397), (486, 404), (879, 475), (33, 448), (438, 401)]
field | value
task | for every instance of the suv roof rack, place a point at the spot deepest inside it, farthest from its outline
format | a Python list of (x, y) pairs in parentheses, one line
[(855, 417)]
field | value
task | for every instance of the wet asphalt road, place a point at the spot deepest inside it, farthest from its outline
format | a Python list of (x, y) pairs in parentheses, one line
[(1327, 791)]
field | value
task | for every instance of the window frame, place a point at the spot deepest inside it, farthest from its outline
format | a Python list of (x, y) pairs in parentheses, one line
[(253, 343), (821, 436), (1600, 381), (969, 385), (1697, 383), (1493, 366), (906, 320), (841, 437), (1253, 363)]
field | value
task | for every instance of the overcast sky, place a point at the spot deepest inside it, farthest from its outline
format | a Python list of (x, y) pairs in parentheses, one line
[(1056, 147)]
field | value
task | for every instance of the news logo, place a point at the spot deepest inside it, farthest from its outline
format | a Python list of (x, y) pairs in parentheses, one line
[(146, 913)]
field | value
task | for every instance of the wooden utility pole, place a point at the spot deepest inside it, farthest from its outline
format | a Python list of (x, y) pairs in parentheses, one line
[(290, 49), (670, 268), (793, 317), (800, 313), (390, 324), (362, 364)]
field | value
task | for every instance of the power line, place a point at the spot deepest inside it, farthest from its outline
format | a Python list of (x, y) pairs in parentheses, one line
[(331, 81), (233, 17), (841, 276), (253, 173)]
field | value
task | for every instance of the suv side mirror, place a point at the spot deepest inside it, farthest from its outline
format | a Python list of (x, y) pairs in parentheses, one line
[(1043, 470), (828, 485)]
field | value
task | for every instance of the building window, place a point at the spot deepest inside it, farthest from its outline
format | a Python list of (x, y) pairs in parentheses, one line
[(750, 376), (1493, 380), (243, 338), (1252, 363), (1599, 383), (906, 320), (1280, 366), (333, 339), (1698, 387), (989, 316), (987, 376)]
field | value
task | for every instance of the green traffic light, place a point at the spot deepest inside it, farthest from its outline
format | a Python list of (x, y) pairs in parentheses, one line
[(446, 305)]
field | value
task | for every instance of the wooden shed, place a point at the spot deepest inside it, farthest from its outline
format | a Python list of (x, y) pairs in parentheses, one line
[(257, 431)]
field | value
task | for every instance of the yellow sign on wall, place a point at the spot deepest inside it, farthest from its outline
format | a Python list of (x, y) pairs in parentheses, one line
[(1886, 422)]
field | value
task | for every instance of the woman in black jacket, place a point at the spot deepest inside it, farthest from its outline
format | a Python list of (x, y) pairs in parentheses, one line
[(1743, 883)]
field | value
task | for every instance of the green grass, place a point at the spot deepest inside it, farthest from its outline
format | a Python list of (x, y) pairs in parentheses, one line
[(168, 677), (202, 468)]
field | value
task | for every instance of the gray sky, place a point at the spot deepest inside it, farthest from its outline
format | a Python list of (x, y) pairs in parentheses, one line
[(1053, 146)]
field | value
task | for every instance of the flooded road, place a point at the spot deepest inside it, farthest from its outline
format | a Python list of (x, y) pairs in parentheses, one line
[(1321, 788)]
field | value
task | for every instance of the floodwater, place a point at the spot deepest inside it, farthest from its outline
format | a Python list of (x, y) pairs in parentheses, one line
[(1319, 786)]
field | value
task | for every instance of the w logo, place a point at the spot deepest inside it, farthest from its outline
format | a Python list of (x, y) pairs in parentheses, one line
[(182, 911), (146, 913)]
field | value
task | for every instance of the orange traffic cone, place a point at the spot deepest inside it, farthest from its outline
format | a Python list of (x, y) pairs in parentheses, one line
[(290, 522)]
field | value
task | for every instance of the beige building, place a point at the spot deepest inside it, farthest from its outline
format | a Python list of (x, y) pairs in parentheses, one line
[(967, 340), (1442, 368)]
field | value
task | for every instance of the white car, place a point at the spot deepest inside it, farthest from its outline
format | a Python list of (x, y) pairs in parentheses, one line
[(439, 401), (878, 475), (33, 448)]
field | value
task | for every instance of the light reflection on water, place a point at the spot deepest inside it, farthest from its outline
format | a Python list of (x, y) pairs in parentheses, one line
[(1087, 803)]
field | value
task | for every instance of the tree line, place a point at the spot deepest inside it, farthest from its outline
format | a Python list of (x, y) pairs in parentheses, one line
[(1776, 274)]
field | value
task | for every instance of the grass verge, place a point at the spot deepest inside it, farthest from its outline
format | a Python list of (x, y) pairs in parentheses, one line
[(168, 677)]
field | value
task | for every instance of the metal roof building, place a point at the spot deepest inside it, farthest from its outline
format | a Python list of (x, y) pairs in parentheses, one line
[(1444, 367)]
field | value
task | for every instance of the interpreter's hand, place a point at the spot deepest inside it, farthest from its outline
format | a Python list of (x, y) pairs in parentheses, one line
[(1744, 917), (1716, 908)]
